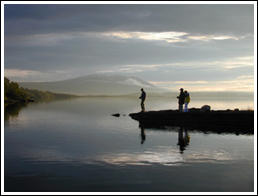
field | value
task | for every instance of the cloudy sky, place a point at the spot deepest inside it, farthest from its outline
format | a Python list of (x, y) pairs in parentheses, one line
[(199, 47)]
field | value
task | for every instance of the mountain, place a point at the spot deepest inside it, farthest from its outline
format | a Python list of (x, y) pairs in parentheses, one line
[(95, 84)]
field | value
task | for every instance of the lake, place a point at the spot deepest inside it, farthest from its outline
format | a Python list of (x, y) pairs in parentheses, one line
[(77, 145)]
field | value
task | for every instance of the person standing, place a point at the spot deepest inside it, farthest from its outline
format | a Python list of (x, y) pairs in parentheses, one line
[(142, 97), (187, 101), (181, 100)]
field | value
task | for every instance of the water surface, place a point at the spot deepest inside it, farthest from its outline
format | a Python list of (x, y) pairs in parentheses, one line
[(76, 145)]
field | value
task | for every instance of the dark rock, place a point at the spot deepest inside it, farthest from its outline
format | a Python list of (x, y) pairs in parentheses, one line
[(116, 115), (206, 108), (218, 121), (194, 110)]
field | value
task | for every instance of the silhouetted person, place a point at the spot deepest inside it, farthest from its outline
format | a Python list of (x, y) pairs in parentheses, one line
[(181, 100), (183, 139), (187, 101), (143, 136), (142, 97)]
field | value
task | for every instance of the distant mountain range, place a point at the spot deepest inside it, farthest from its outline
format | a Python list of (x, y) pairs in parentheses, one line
[(96, 84)]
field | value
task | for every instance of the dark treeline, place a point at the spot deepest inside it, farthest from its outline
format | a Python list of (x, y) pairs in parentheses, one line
[(14, 94)]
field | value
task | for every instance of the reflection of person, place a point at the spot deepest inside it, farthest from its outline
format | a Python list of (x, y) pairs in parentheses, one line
[(181, 100), (187, 101), (183, 139), (143, 136), (142, 97)]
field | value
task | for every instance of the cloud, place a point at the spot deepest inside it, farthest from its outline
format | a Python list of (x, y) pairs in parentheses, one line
[(211, 37), (230, 63), (37, 76), (170, 37), (121, 70), (240, 83), (50, 39), (236, 62), (20, 73)]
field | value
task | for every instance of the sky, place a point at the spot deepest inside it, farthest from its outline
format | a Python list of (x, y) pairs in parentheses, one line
[(201, 47)]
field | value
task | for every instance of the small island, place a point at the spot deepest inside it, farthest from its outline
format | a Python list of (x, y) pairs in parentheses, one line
[(219, 121)]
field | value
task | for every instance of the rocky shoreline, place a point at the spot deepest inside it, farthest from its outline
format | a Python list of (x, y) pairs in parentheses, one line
[(219, 121)]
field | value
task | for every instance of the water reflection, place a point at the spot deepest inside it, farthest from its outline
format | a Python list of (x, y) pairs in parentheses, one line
[(12, 111), (183, 139), (165, 156), (143, 135), (70, 139)]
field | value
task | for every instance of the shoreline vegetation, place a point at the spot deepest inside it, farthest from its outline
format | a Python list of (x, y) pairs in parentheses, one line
[(14, 94)]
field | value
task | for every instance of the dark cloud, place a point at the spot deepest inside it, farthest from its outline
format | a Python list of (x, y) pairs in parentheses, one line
[(32, 19)]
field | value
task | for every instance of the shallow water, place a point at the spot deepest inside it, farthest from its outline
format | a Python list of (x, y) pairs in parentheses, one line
[(76, 145)]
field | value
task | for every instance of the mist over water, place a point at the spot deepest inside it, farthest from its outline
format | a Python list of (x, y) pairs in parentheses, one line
[(77, 145)]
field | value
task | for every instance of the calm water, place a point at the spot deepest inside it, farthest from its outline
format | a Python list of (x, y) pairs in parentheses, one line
[(76, 145)]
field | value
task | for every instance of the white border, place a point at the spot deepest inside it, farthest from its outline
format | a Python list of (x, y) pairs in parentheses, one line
[(2, 98), (128, 2), (255, 98)]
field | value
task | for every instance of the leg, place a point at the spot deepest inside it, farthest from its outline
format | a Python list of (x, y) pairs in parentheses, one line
[(142, 106), (180, 107), (186, 109)]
